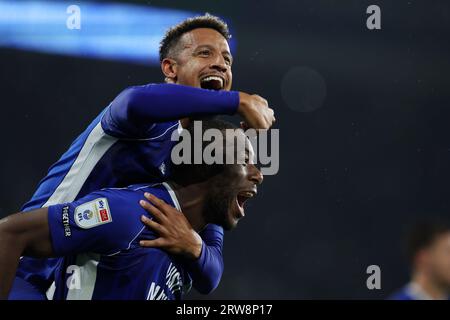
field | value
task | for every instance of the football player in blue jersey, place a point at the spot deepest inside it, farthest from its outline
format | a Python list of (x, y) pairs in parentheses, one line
[(103, 229), (428, 250), (130, 142)]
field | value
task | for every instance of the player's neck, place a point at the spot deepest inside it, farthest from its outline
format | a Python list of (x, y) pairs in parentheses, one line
[(185, 122), (192, 201), (429, 287)]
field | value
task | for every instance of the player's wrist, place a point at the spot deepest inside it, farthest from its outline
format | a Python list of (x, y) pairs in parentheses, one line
[(195, 248), (243, 103)]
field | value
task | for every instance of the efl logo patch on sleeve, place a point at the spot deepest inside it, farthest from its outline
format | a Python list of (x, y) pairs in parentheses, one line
[(93, 213)]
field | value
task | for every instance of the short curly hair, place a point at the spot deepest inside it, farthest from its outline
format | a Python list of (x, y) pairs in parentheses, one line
[(423, 234), (169, 43)]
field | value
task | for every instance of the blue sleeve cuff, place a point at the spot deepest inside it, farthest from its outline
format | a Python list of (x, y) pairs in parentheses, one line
[(197, 264), (56, 229)]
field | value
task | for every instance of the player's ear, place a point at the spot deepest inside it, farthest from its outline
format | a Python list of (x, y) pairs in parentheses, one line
[(169, 67)]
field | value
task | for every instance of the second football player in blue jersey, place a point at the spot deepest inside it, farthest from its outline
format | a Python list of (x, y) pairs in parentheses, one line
[(99, 234)]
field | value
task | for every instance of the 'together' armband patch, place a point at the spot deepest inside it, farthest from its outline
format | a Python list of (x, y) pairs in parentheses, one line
[(92, 214)]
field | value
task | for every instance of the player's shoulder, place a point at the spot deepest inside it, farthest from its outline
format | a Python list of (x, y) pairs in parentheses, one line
[(403, 293), (124, 202), (165, 130), (126, 211), (135, 191), (399, 295), (117, 209)]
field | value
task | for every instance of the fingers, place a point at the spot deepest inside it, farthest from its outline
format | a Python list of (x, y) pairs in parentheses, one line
[(157, 202), (160, 216), (156, 243), (268, 120), (255, 112), (268, 113), (153, 225), (271, 116), (165, 209)]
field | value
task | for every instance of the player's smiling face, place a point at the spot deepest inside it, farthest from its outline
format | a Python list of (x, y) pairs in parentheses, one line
[(230, 190), (204, 60)]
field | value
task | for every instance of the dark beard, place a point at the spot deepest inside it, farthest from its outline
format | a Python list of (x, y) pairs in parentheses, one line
[(218, 203)]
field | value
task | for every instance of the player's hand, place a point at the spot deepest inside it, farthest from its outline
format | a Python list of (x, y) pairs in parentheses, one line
[(255, 111), (176, 235)]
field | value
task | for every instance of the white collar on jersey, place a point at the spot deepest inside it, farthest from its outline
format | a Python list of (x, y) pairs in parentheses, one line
[(172, 195), (416, 291)]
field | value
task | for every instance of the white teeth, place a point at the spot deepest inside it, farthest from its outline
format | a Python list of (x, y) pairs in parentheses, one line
[(247, 194), (210, 78)]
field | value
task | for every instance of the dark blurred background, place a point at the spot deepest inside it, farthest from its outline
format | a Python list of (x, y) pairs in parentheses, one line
[(364, 136)]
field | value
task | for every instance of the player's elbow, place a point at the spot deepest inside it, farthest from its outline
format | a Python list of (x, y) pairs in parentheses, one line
[(8, 229), (27, 233), (130, 103), (206, 288), (11, 236), (208, 284), (125, 102)]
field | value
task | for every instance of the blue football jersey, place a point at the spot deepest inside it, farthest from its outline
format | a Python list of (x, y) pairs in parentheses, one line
[(99, 235), (411, 291), (129, 142)]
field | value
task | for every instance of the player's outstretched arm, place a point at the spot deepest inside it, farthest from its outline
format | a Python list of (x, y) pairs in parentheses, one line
[(61, 230), (22, 234), (137, 108), (133, 112)]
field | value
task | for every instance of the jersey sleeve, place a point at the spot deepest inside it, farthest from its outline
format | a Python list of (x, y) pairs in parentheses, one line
[(134, 112), (103, 222), (207, 270)]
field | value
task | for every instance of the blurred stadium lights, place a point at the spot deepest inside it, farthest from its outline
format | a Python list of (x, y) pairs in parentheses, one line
[(112, 31)]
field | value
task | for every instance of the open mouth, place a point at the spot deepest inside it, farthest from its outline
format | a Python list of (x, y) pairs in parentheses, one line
[(212, 83), (241, 198)]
